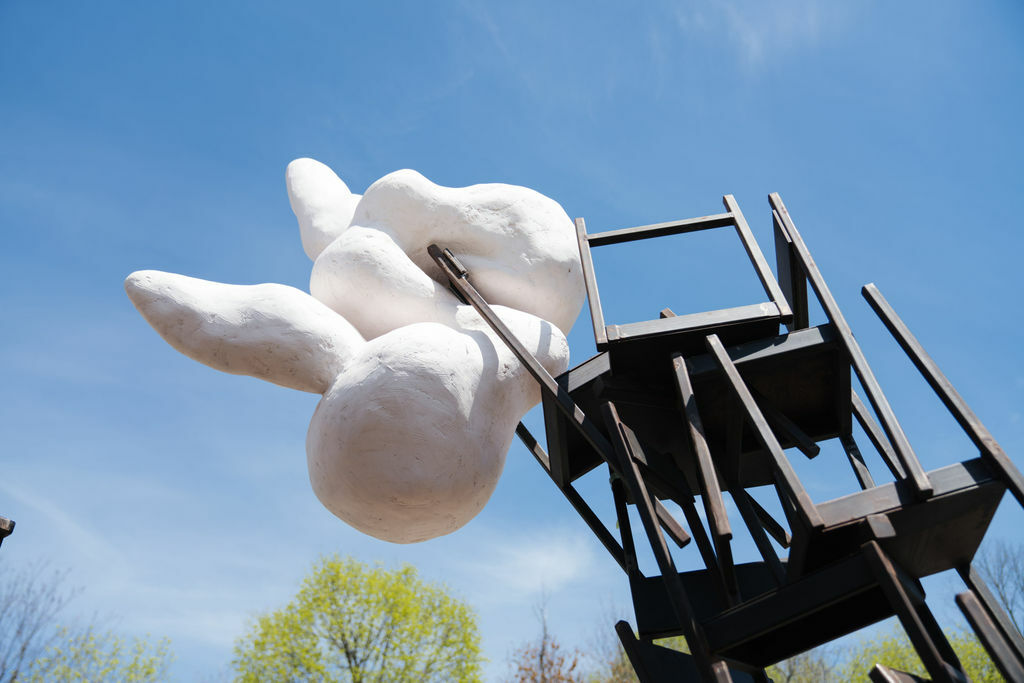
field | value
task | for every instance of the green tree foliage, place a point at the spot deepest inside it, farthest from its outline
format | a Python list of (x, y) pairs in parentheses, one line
[(813, 666), (359, 624), (35, 648), (89, 656), (894, 650)]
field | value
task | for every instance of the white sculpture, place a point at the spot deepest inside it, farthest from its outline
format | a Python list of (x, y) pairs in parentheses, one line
[(420, 397)]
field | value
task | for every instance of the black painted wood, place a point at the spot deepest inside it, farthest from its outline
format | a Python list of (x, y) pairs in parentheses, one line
[(998, 647), (952, 399), (979, 588), (786, 478), (857, 359)]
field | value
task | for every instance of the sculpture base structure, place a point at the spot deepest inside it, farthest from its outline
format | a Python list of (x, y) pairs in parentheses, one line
[(706, 403)]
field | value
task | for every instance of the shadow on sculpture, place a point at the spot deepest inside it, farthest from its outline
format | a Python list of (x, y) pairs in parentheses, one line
[(698, 404)]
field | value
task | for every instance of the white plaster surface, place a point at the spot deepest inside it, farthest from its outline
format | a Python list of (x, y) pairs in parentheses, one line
[(420, 398)]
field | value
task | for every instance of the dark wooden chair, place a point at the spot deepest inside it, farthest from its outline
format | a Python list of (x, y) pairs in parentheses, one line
[(701, 404)]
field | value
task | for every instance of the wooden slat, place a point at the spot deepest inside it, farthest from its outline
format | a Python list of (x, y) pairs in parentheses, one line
[(884, 674), (764, 271), (952, 399), (757, 532), (1001, 652), (860, 470), (575, 499), (785, 476), (875, 435), (973, 579), (710, 491), (774, 529), (6, 528), (707, 477), (695, 638), (632, 566), (791, 278), (803, 442), (693, 322), (590, 283), (643, 232), (897, 438), (457, 275), (896, 593)]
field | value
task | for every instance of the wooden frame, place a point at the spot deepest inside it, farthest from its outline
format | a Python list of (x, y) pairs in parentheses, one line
[(853, 560), (777, 307)]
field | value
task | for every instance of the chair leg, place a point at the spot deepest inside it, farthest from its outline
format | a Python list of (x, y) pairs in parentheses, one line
[(927, 639), (707, 476), (997, 646), (785, 476), (977, 585), (710, 667), (981, 437), (860, 470)]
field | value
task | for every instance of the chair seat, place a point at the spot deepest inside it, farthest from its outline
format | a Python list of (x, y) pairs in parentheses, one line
[(933, 535), (801, 373), (779, 622)]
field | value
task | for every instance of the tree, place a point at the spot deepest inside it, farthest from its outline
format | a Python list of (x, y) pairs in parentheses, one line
[(360, 624), (34, 647), (894, 650), (30, 602), (99, 657), (814, 666), (544, 661), (1002, 566)]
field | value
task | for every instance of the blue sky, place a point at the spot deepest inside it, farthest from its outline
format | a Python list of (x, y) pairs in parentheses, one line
[(155, 135)]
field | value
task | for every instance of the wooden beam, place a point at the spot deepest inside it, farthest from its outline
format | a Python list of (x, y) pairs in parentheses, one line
[(897, 594), (575, 499), (711, 668), (784, 475), (791, 279), (875, 435), (904, 452), (590, 283), (757, 532), (764, 271), (1001, 652), (643, 232), (952, 399), (860, 470), (979, 588)]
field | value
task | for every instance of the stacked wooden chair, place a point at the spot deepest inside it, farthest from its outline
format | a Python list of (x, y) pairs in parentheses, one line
[(688, 406)]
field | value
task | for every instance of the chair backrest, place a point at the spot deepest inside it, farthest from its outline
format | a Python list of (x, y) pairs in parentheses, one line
[(734, 325)]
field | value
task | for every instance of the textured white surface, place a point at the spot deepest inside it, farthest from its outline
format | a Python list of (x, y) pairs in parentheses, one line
[(420, 398)]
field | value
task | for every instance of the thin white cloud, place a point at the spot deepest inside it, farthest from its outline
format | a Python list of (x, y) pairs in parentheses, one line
[(522, 567), (763, 31), (87, 543)]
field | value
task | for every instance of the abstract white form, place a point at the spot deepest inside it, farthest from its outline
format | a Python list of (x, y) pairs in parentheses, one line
[(420, 397)]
